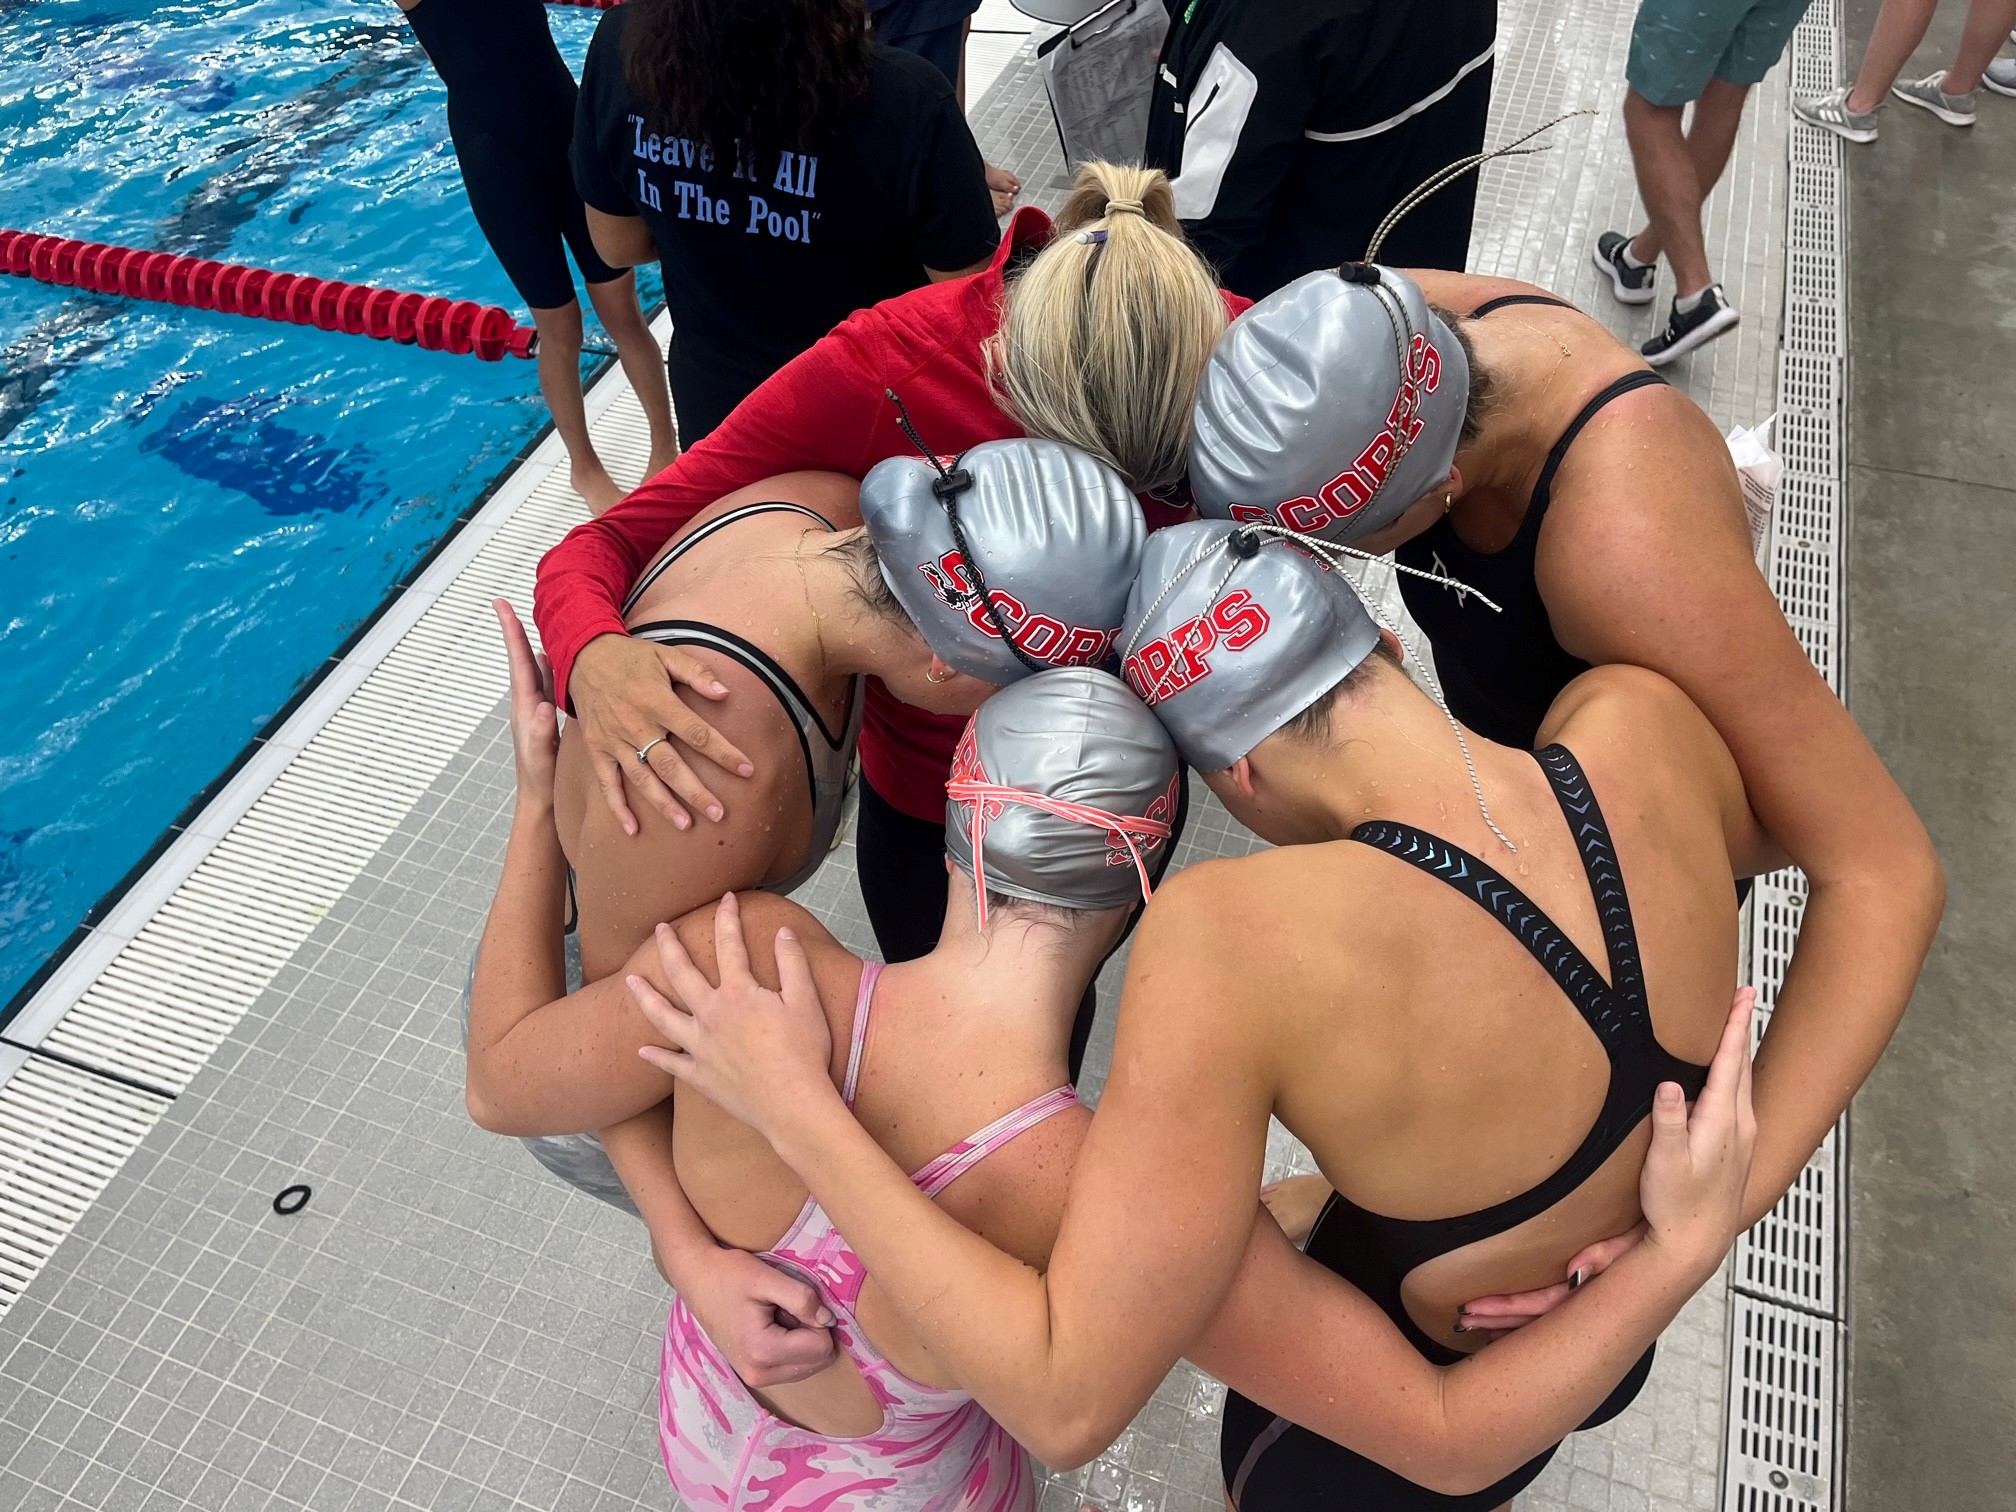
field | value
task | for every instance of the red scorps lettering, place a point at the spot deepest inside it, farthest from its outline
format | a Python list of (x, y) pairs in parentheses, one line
[(1355, 487), (1180, 659), (1043, 637)]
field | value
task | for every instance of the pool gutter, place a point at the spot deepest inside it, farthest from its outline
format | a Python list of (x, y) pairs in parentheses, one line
[(146, 991)]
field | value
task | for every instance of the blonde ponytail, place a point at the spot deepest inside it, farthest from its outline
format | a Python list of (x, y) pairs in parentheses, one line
[(1104, 336)]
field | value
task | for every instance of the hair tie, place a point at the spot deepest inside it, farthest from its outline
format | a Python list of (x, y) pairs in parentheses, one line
[(1123, 207)]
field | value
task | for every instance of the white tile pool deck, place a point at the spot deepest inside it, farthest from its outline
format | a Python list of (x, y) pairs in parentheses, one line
[(400, 1343)]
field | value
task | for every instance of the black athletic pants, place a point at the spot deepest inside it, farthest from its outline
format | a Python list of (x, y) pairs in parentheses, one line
[(902, 866)]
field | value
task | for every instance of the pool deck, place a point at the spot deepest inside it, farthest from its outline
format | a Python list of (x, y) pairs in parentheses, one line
[(280, 1006)]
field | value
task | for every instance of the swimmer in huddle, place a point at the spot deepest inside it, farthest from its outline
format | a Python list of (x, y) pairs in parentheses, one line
[(1483, 1097), (789, 597), (954, 1067)]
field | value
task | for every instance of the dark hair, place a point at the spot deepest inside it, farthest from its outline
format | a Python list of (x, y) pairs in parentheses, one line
[(1313, 723), (1482, 388), (769, 74)]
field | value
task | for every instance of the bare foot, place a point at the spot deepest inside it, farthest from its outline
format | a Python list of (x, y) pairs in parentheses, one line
[(597, 489), (1294, 1204), (1004, 186)]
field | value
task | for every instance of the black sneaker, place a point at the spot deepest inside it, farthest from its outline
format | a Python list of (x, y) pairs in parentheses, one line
[(1685, 330), (1629, 282)]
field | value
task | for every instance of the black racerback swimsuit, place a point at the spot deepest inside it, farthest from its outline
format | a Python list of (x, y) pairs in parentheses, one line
[(1270, 1463), (1500, 671)]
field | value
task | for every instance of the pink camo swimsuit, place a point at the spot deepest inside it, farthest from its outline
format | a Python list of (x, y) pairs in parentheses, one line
[(936, 1451)]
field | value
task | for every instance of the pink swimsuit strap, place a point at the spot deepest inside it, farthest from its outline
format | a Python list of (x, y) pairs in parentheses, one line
[(871, 973), (936, 1175)]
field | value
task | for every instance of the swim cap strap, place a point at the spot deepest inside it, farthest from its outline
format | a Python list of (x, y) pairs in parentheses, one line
[(981, 796), (951, 482), (1453, 171), (1330, 551)]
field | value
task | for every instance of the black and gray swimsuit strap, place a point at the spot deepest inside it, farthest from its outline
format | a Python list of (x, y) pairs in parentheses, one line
[(713, 528), (1504, 300)]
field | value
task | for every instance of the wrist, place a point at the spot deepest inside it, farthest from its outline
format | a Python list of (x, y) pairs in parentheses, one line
[(589, 657), (807, 1123), (533, 811), (1678, 1259)]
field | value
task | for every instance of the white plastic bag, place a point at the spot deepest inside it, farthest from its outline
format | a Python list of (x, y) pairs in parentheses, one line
[(1100, 77), (1759, 468)]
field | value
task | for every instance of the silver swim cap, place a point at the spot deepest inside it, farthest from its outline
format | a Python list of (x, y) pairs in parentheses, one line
[(1231, 634), (1054, 539), (1330, 406), (1062, 788)]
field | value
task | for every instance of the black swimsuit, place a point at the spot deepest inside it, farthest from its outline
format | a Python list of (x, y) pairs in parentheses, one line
[(1500, 672), (1270, 1463)]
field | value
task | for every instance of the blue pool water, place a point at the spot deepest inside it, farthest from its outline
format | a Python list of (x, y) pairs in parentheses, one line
[(196, 510)]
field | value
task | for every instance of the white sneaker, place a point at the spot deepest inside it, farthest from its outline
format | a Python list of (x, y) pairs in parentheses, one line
[(1925, 93), (2000, 76)]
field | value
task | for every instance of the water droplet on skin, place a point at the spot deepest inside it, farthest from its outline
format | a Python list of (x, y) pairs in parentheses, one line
[(1524, 868)]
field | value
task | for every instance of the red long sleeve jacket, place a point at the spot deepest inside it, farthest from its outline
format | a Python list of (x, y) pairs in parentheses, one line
[(825, 410)]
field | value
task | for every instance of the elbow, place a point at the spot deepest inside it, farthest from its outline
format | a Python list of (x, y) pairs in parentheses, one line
[(1459, 1473), (487, 1110), (1067, 1439), (482, 1111), (1911, 881), (1932, 887)]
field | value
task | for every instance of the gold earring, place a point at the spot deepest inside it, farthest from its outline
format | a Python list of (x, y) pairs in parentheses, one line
[(1448, 503), (931, 676)]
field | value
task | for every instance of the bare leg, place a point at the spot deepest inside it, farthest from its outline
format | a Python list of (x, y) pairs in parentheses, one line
[(1711, 137), (1670, 188), (1001, 184), (560, 383), (1988, 22), (622, 317), (1900, 27)]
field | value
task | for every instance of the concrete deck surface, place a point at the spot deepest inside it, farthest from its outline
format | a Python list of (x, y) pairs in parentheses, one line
[(1932, 640)]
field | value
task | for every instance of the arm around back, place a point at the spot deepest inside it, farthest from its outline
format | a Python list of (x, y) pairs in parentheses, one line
[(815, 413), (1671, 585)]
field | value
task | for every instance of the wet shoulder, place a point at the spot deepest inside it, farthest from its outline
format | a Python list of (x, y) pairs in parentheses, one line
[(1637, 727), (836, 970)]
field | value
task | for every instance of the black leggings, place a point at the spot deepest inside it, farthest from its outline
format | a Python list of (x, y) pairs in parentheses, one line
[(527, 207), (901, 861)]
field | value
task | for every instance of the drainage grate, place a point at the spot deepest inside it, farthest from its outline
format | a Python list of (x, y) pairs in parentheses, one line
[(1779, 1444), (188, 950), (63, 1135), (1781, 1437)]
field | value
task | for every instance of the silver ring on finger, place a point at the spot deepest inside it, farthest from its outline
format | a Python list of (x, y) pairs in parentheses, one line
[(644, 755)]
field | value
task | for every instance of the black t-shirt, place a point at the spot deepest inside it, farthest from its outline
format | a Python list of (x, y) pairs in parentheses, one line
[(762, 259)]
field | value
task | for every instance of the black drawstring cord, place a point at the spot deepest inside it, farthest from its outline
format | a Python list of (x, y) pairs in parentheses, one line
[(949, 484)]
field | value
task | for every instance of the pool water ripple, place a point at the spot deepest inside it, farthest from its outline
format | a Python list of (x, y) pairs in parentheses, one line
[(196, 510)]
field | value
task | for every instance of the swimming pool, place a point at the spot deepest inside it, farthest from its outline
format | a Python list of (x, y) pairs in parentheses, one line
[(196, 510)]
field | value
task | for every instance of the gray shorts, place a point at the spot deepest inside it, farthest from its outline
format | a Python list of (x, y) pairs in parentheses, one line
[(577, 1159)]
